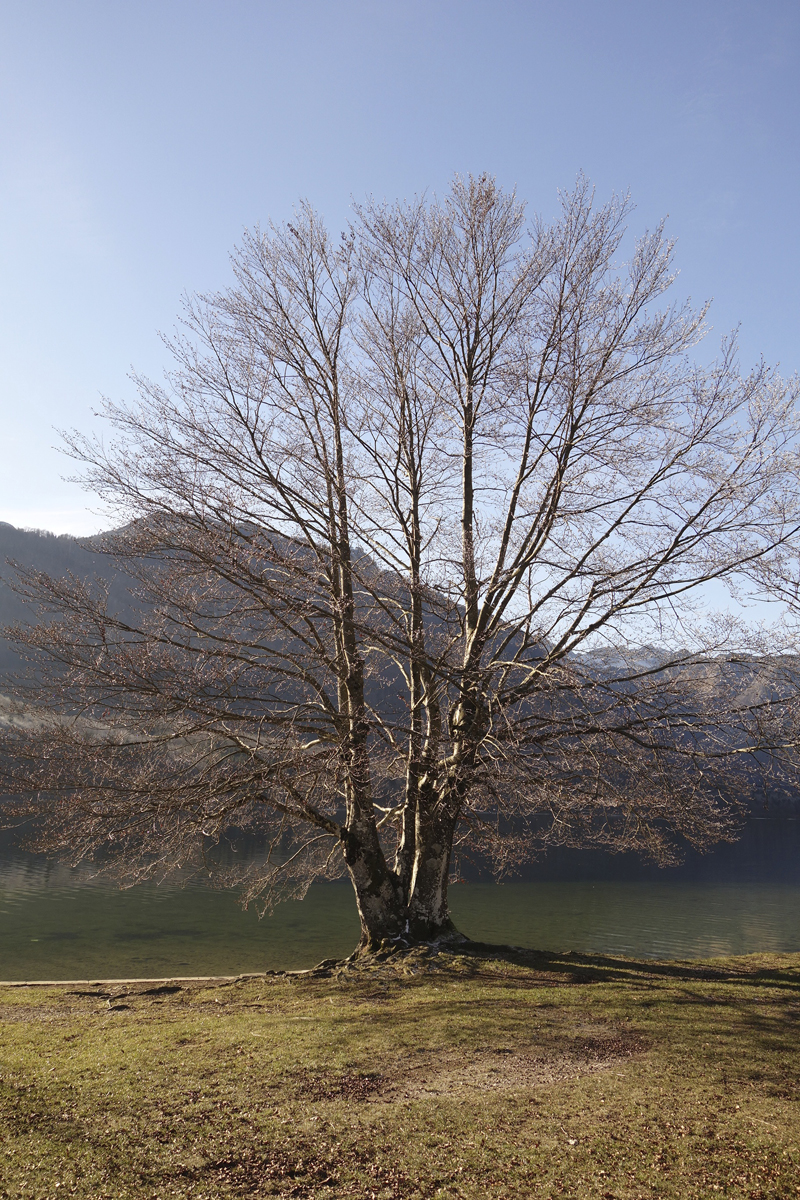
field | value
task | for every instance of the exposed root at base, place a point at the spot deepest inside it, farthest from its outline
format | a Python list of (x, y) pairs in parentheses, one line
[(446, 952)]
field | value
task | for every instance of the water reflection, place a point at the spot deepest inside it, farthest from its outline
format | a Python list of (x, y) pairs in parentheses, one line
[(56, 923)]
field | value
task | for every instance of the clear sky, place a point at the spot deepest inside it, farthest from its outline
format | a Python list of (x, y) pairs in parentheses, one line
[(137, 140)]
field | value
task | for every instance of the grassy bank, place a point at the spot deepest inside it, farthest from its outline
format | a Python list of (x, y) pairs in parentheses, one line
[(530, 1076)]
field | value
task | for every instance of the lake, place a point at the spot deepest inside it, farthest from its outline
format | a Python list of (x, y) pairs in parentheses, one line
[(58, 923)]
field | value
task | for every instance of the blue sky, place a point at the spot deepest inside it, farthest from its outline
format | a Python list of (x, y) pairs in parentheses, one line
[(138, 140)]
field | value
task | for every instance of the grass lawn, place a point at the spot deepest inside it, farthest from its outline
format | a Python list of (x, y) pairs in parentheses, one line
[(452, 1076)]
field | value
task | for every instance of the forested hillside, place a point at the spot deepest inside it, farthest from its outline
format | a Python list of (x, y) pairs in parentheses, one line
[(61, 555), (48, 552)]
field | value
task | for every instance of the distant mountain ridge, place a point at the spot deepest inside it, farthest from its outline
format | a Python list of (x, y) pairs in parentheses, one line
[(58, 555), (63, 554)]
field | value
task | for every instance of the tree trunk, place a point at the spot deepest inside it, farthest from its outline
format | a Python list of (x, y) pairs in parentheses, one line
[(428, 913), (381, 906), (385, 912)]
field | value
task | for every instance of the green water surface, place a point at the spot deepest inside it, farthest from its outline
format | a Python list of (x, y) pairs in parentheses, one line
[(59, 924)]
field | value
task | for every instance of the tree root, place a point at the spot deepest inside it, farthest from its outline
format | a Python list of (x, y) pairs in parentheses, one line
[(409, 957)]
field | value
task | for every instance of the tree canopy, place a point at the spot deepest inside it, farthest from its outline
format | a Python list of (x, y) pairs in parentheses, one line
[(401, 520)]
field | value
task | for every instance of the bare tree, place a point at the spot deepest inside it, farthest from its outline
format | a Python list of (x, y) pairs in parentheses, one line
[(395, 520)]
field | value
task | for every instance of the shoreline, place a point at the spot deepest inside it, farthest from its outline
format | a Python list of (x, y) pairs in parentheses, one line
[(520, 956)]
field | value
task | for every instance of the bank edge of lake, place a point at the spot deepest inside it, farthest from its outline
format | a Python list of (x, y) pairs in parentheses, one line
[(451, 1075)]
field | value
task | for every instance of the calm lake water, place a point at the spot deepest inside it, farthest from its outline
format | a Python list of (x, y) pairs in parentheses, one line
[(56, 923)]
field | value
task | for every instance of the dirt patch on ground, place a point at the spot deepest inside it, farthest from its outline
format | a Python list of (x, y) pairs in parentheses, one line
[(455, 1072), (499, 1070), (322, 1085)]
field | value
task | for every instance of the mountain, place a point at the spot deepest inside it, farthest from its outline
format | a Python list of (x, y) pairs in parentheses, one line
[(61, 555), (58, 556)]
